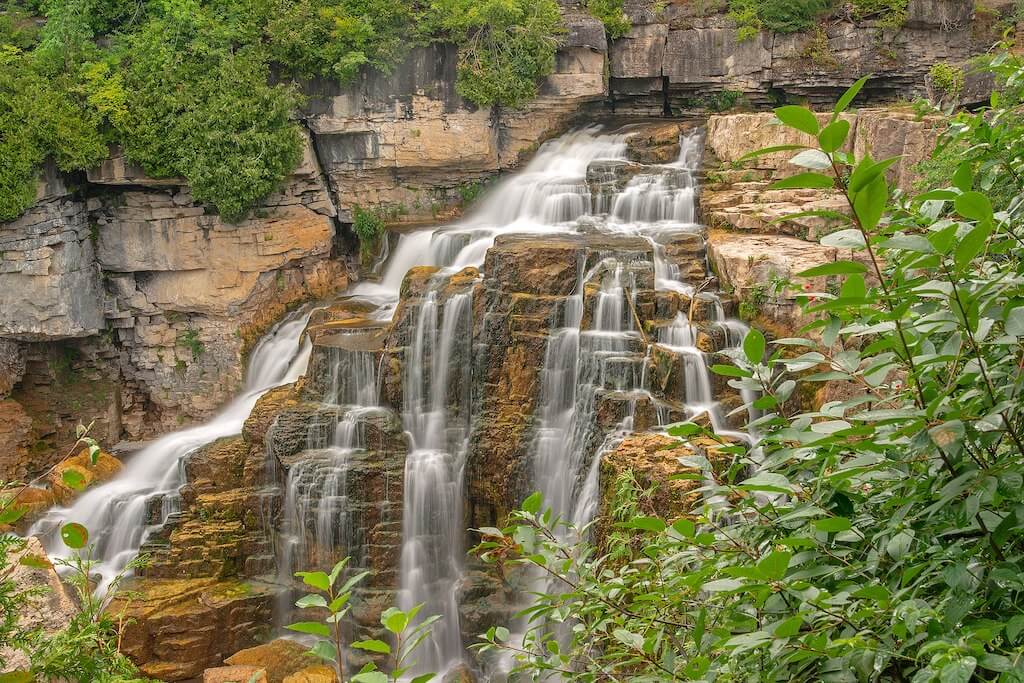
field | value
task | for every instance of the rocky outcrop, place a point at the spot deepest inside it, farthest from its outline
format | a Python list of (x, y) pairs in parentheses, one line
[(408, 145), (680, 55), (757, 245)]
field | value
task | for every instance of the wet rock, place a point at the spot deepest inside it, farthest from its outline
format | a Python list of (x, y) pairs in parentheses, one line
[(529, 264), (88, 474), (280, 659), (654, 144)]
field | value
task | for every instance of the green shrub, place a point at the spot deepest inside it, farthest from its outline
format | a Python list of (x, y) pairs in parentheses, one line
[(368, 226), (947, 78), (878, 537), (612, 15), (506, 46), (890, 13), (782, 16)]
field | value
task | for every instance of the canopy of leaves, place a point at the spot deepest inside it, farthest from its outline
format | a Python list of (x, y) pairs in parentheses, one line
[(876, 537)]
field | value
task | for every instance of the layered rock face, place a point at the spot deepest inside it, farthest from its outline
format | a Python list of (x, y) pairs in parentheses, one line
[(681, 55), (753, 248)]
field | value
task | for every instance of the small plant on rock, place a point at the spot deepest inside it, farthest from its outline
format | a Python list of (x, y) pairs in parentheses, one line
[(330, 646)]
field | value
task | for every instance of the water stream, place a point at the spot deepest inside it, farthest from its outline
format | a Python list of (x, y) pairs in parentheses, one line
[(119, 513)]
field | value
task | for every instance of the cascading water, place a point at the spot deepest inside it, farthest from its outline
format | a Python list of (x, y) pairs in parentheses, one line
[(436, 417), (117, 512)]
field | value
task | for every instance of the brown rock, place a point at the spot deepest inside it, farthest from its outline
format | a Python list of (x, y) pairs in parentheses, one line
[(280, 658), (15, 439), (313, 674), (105, 468), (235, 674)]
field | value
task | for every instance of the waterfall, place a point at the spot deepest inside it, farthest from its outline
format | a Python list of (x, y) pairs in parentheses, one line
[(117, 513), (436, 417)]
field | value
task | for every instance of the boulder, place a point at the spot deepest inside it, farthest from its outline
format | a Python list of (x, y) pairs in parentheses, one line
[(235, 674), (105, 468), (280, 659), (313, 674)]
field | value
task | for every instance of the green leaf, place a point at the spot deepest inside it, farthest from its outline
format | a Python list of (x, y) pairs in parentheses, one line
[(730, 371), (972, 243), (684, 429), (94, 453), (394, 620), (767, 481), (847, 97), (868, 171), (12, 513), (973, 205), (722, 585), (1014, 627), (834, 268), (74, 535), (318, 580), (876, 593), (311, 600), (73, 479), (532, 503), (685, 527), (312, 627), (851, 238), (963, 177), (378, 646), (754, 345), (423, 678), (800, 118), (853, 287), (807, 180), (834, 135), (337, 569), (35, 561), (764, 151), (370, 677), (633, 640), (869, 203), (994, 662), (959, 671), (833, 524), (645, 524), (773, 566), (788, 627)]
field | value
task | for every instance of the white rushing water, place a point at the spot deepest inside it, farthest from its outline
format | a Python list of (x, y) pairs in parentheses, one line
[(119, 513), (569, 187)]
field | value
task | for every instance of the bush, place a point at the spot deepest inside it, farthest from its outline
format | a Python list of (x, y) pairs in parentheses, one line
[(782, 16), (506, 46), (368, 226), (612, 15), (879, 537), (947, 78)]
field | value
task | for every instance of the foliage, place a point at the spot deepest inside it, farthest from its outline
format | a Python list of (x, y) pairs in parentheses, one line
[(87, 649), (205, 90), (891, 14), (329, 646), (782, 16), (612, 15), (505, 45), (947, 78), (369, 226), (12, 598), (878, 537)]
